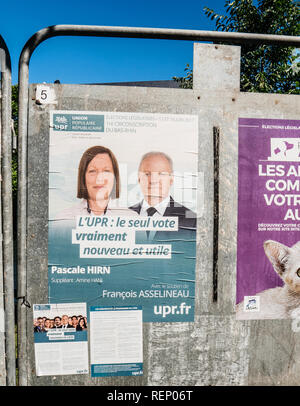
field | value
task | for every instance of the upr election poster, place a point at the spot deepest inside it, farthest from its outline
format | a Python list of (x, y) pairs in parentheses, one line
[(268, 248), (60, 339), (123, 211)]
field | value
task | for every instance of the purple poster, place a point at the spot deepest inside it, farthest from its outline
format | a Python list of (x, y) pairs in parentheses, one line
[(268, 241)]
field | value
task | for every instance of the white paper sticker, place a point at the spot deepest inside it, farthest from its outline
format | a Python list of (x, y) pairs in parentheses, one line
[(251, 303), (45, 95)]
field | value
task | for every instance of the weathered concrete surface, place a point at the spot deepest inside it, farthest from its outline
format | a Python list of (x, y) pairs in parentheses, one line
[(215, 349), (211, 351)]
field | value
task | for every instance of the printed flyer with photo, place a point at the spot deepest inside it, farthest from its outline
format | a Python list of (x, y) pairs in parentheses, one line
[(60, 339), (268, 243), (116, 341), (123, 211)]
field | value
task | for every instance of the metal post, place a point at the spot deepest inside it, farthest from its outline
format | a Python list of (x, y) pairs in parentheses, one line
[(92, 31), (7, 217)]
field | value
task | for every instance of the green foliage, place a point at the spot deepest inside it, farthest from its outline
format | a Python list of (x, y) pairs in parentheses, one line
[(264, 68), (14, 174), (14, 102), (185, 82)]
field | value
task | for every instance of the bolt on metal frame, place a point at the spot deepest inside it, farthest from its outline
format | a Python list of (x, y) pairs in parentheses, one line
[(7, 214), (92, 31)]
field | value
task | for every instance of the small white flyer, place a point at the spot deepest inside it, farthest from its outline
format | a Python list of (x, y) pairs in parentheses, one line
[(116, 341), (60, 339)]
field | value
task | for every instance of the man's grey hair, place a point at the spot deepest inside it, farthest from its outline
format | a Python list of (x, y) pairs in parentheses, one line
[(157, 153)]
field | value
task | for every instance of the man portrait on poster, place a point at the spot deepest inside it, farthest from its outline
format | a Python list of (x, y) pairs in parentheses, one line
[(155, 177)]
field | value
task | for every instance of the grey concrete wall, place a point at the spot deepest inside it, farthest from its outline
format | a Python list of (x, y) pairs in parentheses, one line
[(215, 349)]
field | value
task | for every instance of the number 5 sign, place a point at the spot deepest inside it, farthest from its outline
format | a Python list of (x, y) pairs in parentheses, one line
[(45, 95)]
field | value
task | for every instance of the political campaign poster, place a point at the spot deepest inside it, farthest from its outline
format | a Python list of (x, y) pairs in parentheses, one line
[(116, 341), (60, 339), (268, 247), (123, 211)]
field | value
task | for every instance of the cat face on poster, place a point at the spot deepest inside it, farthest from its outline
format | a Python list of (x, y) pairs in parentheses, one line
[(280, 302), (286, 262)]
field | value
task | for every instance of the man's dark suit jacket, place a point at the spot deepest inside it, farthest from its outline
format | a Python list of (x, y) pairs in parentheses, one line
[(187, 220)]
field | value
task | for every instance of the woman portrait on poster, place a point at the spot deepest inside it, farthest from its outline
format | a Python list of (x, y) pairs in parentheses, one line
[(81, 325), (47, 325), (98, 185)]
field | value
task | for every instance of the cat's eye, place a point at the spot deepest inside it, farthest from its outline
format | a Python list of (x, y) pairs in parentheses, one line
[(298, 272)]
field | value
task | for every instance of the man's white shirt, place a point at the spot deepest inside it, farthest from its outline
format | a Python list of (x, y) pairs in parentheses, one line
[(160, 210)]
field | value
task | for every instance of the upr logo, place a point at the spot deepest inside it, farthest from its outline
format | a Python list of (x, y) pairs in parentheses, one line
[(60, 122), (164, 310), (61, 119)]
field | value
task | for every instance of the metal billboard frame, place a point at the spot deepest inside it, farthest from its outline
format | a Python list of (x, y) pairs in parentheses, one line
[(7, 215), (91, 31)]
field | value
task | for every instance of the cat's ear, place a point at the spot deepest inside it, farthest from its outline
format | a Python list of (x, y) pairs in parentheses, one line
[(296, 246), (278, 255)]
